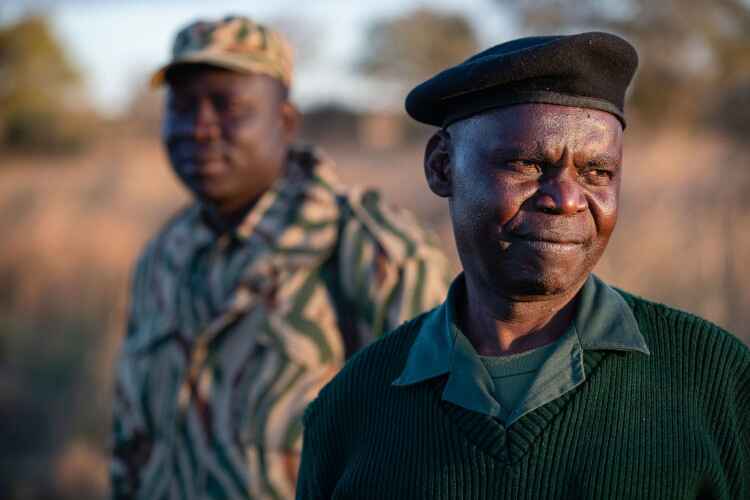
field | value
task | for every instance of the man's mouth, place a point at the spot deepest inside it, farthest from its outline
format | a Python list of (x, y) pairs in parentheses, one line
[(208, 167), (199, 160), (546, 241), (551, 239), (202, 167), (552, 246), (572, 233)]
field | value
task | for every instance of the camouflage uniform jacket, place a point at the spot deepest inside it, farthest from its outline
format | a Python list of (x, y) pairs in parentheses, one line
[(230, 336)]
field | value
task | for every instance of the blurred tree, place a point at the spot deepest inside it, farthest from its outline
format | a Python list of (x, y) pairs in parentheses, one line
[(330, 123), (39, 90), (306, 37), (143, 113), (416, 45), (693, 52)]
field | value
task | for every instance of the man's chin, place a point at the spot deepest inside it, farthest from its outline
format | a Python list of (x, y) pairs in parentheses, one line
[(214, 198), (546, 273), (225, 202), (540, 281), (210, 190), (543, 285)]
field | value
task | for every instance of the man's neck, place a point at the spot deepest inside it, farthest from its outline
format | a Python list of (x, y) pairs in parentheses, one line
[(222, 221), (497, 325)]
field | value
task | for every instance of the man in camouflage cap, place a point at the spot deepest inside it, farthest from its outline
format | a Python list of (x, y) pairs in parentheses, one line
[(251, 299)]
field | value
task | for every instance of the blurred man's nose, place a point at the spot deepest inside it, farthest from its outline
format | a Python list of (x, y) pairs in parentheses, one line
[(560, 193), (206, 122)]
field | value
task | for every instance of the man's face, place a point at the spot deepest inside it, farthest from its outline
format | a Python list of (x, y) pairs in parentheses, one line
[(533, 195), (226, 133)]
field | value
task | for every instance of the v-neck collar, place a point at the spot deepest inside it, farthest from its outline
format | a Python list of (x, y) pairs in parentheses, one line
[(603, 323), (508, 445)]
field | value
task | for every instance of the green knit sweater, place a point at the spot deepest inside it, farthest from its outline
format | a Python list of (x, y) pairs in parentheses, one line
[(673, 425)]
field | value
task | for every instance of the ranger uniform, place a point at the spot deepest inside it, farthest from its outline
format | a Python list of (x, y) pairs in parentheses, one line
[(232, 332)]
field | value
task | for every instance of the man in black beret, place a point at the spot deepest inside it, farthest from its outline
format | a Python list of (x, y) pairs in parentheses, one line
[(534, 379)]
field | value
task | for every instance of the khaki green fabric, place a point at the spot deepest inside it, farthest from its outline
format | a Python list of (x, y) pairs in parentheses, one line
[(603, 321), (235, 43), (231, 335), (513, 375)]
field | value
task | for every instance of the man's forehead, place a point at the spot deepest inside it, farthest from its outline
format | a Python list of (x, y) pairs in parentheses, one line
[(543, 116), (539, 127)]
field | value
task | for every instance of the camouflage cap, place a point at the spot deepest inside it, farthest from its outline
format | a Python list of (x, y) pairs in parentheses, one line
[(236, 43)]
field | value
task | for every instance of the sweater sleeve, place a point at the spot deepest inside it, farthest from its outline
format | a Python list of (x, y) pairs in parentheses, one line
[(743, 403), (318, 471), (732, 412)]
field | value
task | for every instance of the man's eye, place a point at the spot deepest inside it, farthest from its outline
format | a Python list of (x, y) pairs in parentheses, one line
[(221, 103), (524, 166), (230, 106), (598, 175), (181, 105)]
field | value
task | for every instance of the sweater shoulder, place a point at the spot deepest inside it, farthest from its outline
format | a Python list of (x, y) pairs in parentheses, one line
[(376, 363), (666, 325)]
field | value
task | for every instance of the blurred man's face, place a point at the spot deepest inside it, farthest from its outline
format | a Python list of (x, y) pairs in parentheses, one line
[(533, 194), (226, 133)]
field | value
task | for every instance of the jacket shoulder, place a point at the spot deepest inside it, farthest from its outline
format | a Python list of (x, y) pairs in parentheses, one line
[(173, 232), (396, 230), (370, 372)]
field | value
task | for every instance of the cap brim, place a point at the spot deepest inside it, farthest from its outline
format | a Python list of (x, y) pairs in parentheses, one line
[(226, 61)]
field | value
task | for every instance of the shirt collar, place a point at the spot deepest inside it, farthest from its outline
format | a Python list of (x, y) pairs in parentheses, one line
[(603, 321), (430, 355)]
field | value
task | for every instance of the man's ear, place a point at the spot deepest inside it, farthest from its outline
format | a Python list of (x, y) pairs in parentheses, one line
[(438, 164), (290, 120)]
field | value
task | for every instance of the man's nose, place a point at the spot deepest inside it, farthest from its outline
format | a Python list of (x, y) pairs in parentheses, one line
[(206, 124), (560, 193)]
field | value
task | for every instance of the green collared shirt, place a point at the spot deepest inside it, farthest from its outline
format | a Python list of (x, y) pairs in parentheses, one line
[(603, 321), (512, 375)]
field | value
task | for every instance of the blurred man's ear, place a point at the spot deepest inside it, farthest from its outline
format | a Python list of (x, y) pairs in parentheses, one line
[(290, 120), (438, 163)]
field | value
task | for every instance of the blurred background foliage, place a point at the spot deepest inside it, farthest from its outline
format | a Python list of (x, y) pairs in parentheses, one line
[(694, 62), (80, 193), (412, 47), (40, 92)]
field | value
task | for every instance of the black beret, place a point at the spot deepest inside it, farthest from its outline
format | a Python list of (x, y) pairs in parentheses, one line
[(587, 70)]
